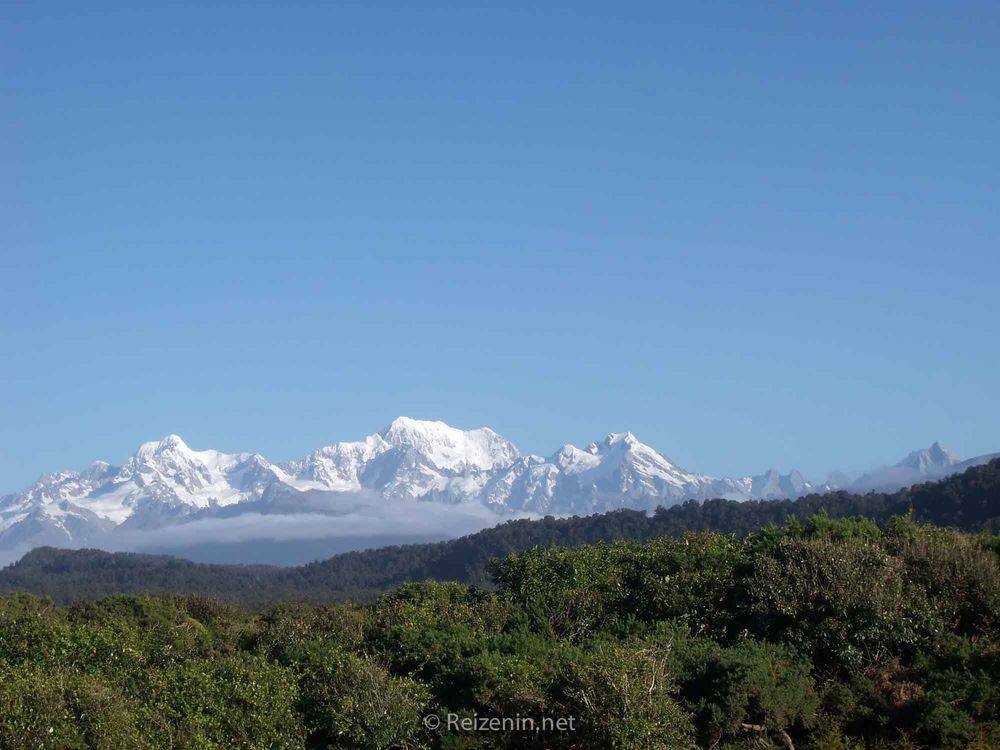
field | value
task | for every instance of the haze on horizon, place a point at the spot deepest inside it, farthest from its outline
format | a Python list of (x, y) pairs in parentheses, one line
[(752, 237)]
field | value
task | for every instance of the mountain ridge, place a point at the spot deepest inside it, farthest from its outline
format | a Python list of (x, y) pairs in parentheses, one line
[(167, 482)]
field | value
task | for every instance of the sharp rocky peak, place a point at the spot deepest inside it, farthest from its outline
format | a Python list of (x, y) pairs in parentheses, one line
[(935, 455), (170, 443), (622, 438)]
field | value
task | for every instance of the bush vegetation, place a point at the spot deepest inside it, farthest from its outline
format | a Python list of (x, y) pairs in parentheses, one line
[(832, 634)]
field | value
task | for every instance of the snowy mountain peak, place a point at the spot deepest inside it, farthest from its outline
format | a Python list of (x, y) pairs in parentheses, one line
[(572, 458), (403, 424), (156, 447), (936, 456), (408, 431), (796, 476), (772, 485), (450, 448), (932, 462), (622, 438), (54, 479), (97, 471), (633, 451)]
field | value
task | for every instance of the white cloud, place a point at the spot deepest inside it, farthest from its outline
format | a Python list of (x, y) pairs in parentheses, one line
[(350, 520)]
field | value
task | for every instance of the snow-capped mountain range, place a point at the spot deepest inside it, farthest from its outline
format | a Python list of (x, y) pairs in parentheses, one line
[(167, 482)]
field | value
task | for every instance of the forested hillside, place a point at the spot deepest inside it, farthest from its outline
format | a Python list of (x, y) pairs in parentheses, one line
[(829, 635), (969, 501)]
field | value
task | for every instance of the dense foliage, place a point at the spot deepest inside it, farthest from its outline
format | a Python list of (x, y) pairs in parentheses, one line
[(969, 501), (829, 634)]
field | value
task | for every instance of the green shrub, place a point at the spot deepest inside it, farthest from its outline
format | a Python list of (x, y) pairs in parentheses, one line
[(730, 691), (845, 604), (279, 631), (428, 626), (577, 593), (228, 702), (32, 630), (621, 697), (41, 708), (960, 579), (349, 701)]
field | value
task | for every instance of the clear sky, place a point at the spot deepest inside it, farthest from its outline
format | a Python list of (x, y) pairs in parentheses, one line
[(753, 235)]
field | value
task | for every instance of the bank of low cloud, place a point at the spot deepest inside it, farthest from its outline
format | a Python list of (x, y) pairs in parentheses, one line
[(319, 525)]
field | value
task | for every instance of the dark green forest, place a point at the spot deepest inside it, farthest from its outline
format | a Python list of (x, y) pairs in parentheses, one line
[(969, 501), (831, 634), (832, 622)]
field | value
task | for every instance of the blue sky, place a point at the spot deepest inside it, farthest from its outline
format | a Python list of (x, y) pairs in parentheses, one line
[(753, 235)]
